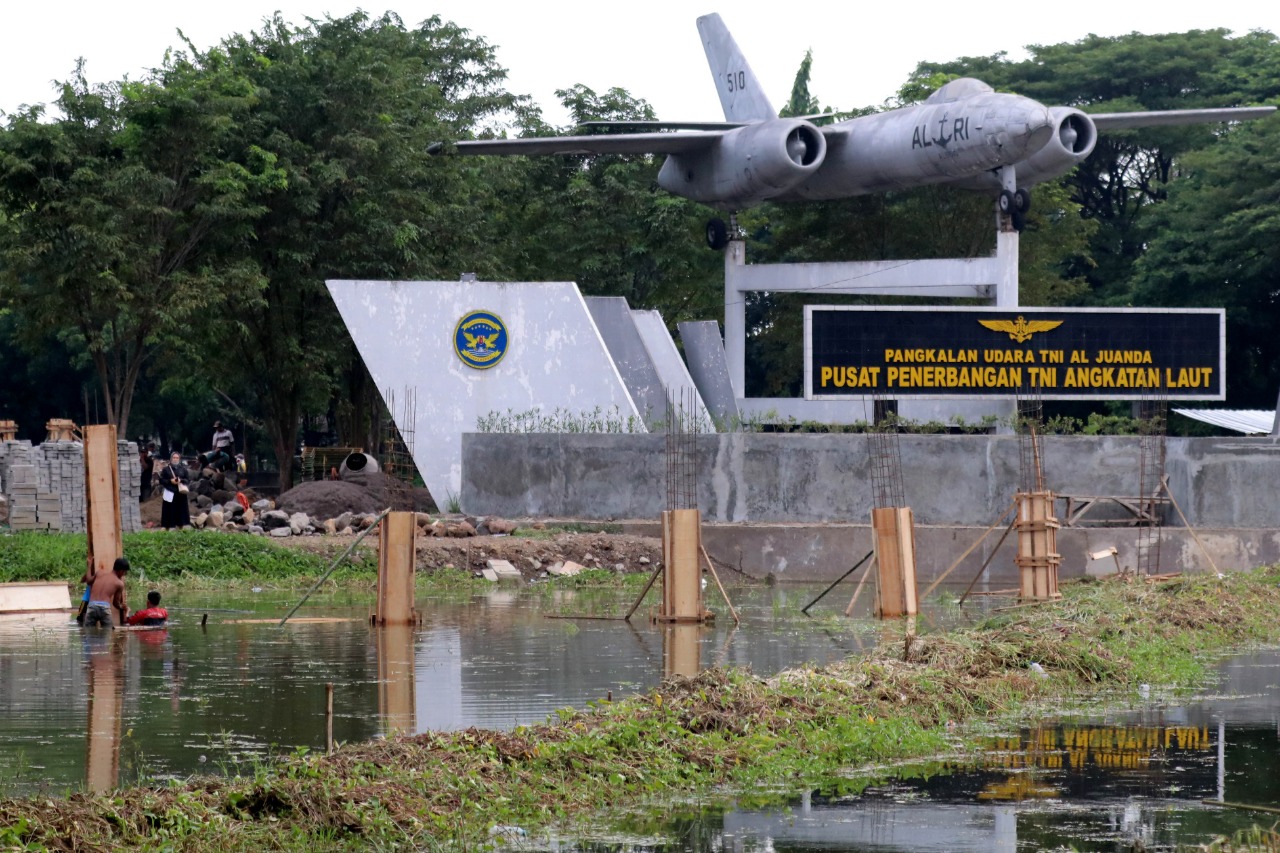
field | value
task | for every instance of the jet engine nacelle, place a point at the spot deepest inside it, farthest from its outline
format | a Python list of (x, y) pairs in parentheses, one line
[(1073, 140), (748, 165)]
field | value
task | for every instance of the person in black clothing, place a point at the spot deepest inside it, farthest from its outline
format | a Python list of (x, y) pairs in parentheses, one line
[(146, 460), (175, 511)]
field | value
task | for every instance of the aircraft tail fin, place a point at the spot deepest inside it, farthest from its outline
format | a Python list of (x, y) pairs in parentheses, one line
[(740, 93)]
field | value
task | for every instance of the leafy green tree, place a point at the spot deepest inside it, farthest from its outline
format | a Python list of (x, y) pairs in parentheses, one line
[(1130, 170), (1216, 243), (348, 107), (113, 211), (801, 103)]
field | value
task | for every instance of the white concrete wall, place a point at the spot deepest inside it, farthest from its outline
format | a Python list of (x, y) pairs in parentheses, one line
[(555, 359)]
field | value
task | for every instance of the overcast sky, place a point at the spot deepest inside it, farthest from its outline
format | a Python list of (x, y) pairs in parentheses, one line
[(862, 51)]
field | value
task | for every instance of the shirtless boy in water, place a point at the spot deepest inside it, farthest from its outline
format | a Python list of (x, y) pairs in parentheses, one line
[(106, 590)]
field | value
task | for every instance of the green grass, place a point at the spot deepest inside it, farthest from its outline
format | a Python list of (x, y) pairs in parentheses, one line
[(166, 555), (725, 732)]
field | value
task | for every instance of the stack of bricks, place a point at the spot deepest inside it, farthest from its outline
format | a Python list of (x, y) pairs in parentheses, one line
[(22, 487), (130, 476), (61, 466), (45, 487)]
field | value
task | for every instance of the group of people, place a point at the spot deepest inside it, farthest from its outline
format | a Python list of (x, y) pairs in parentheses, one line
[(105, 591), (174, 478)]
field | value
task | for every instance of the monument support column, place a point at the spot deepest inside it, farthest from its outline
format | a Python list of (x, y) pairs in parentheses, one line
[(735, 317)]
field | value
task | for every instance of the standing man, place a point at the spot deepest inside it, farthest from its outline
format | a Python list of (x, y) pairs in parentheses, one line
[(223, 447), (106, 590)]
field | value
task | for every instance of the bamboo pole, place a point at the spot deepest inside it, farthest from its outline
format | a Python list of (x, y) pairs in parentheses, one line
[(653, 577), (823, 594), (719, 585), (969, 550), (334, 564), (328, 717), (858, 590), (987, 561)]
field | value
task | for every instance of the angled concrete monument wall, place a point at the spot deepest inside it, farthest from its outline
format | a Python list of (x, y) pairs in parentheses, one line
[(474, 349)]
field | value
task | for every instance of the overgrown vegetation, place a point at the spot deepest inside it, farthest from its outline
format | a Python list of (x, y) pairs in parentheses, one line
[(724, 730)]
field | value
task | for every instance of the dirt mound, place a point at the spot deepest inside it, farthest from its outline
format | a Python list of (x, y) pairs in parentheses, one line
[(324, 499), (390, 492)]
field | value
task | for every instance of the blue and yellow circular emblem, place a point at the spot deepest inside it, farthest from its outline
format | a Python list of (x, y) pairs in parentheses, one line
[(480, 339)]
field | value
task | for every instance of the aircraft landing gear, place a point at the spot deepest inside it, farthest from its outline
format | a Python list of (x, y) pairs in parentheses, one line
[(717, 234), (1015, 205), (1021, 204)]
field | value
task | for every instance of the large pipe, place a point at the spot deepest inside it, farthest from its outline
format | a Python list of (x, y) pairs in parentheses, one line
[(357, 466)]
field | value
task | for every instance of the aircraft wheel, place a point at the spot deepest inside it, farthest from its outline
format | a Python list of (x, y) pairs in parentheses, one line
[(717, 234), (1005, 202), (1022, 200), (1019, 220)]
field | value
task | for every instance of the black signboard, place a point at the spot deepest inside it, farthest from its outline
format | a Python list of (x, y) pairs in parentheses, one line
[(1054, 353)]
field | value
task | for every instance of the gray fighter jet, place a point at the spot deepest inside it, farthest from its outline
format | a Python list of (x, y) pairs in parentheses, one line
[(965, 134)]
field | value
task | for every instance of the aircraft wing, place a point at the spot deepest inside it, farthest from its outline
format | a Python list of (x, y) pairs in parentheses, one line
[(1159, 118), (604, 143)]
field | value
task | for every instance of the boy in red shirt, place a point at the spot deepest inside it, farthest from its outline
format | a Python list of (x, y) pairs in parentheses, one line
[(152, 615)]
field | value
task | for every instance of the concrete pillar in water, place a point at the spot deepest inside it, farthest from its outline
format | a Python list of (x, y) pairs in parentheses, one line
[(681, 567), (396, 557), (1038, 558), (893, 529)]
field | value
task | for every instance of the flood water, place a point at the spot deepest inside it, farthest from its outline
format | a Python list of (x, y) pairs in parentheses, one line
[(96, 709), (186, 699), (1135, 780)]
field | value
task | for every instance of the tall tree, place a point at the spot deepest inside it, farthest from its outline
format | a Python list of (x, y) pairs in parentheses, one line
[(1216, 243), (114, 208), (801, 103), (348, 107)]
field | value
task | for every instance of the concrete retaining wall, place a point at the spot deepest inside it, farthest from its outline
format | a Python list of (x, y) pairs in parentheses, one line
[(823, 552), (772, 477)]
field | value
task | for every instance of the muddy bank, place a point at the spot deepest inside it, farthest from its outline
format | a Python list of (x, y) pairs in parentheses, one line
[(909, 697)]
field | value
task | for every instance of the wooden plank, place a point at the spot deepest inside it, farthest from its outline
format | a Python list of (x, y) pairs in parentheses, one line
[(396, 556), (884, 524), (907, 554), (102, 495), (34, 596)]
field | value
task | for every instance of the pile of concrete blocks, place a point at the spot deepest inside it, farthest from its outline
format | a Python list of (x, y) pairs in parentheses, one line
[(22, 487), (44, 485), (130, 475), (61, 469)]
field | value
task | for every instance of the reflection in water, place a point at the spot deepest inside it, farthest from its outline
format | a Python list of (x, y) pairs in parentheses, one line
[(681, 649), (105, 676), (214, 700), (396, 683)]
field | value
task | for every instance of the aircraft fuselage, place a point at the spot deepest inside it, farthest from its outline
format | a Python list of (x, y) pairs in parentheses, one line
[(927, 144)]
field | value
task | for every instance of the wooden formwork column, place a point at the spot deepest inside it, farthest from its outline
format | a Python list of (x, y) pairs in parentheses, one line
[(102, 496), (681, 566), (396, 556), (894, 533), (1038, 558), (396, 685)]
